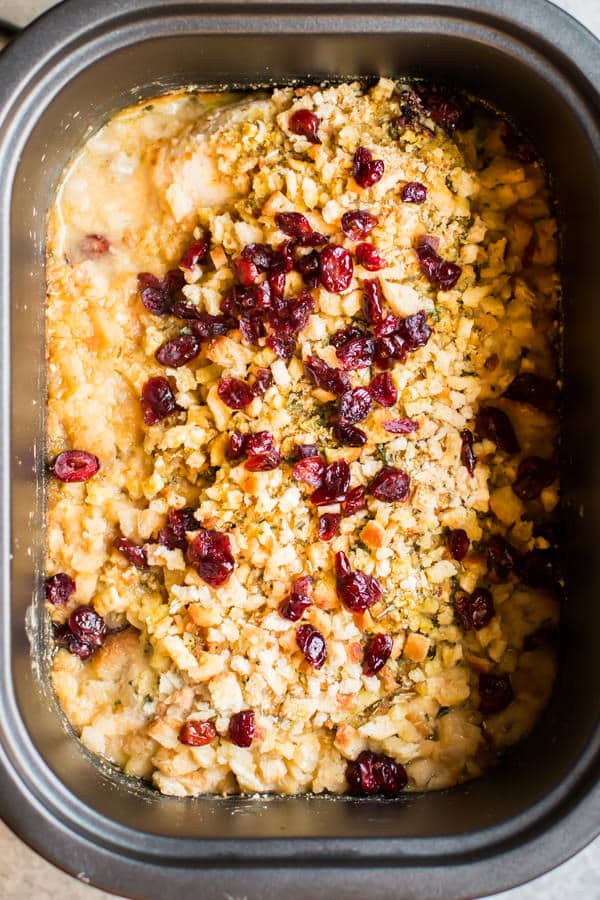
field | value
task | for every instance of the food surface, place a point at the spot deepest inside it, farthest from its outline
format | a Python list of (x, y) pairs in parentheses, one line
[(303, 434)]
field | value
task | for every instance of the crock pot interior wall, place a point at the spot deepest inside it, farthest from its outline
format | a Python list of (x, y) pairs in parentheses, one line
[(540, 764)]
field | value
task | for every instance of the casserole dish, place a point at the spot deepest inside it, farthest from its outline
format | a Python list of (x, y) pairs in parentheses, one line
[(60, 81)]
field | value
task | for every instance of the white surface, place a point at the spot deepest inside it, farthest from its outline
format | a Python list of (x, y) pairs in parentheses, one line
[(26, 876)]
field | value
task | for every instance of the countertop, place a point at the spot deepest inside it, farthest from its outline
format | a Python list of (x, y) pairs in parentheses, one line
[(26, 876)]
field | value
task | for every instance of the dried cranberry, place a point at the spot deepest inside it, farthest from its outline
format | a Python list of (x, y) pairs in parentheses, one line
[(308, 266), (276, 283), (438, 271), (312, 644), (369, 257), (446, 108), (372, 300), (387, 325), (388, 349), (349, 435), (390, 484), (75, 465), (373, 773), (178, 351), (167, 538), (59, 589), (334, 380), (237, 445), (158, 296), (492, 423), (414, 192), (262, 382), (502, 557), (356, 590), (94, 245), (306, 123), (467, 454), (261, 255), (458, 544), (295, 225), (377, 653), (357, 353), (245, 271), (415, 331), (335, 268), (474, 610), (197, 733), (284, 258), (241, 728), (210, 554), (263, 462), (495, 693), (400, 426), (185, 311), (383, 390), (234, 393), (88, 626), (309, 470), (349, 333), (207, 327), (252, 327), (328, 525), (334, 484), (282, 344), (80, 649), (183, 520), (134, 553), (292, 315), (355, 406), (158, 400), (534, 390), (355, 500), (533, 475), (299, 599), (358, 223), (366, 170), (62, 635), (305, 451), (195, 253)]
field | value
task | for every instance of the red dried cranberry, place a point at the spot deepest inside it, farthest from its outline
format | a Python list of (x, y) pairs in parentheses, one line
[(390, 484), (377, 653), (195, 253), (261, 460), (312, 644), (308, 266), (383, 390), (210, 554), (88, 626), (262, 382), (357, 353), (373, 773), (474, 610), (326, 377), (492, 423), (356, 590), (178, 351), (335, 268), (355, 406), (334, 484), (306, 123), (310, 471), (75, 465), (284, 259), (369, 258), (185, 311), (372, 300), (167, 538), (533, 475), (328, 525), (252, 327), (276, 283), (400, 426), (458, 543), (358, 223), (294, 224), (438, 271), (282, 344), (80, 649), (259, 442), (183, 520), (355, 501), (237, 445), (414, 192), (447, 109), (299, 599), (158, 400), (134, 553), (234, 393), (197, 733), (349, 333), (495, 693), (539, 392), (207, 327), (349, 435), (387, 349), (305, 451), (158, 296), (261, 255), (366, 170), (62, 635), (292, 315), (415, 331), (59, 589), (389, 324), (94, 245), (241, 728), (502, 557), (467, 454), (245, 271)]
